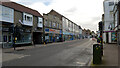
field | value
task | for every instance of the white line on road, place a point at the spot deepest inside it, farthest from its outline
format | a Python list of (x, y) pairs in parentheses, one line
[(23, 56)]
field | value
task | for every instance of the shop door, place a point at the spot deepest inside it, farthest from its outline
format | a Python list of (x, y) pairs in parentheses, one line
[(107, 37)]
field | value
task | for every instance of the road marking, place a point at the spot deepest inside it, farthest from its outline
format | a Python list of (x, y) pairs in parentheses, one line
[(81, 63), (23, 56)]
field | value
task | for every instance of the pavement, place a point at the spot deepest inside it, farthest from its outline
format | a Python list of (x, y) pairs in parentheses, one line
[(70, 53), (110, 55)]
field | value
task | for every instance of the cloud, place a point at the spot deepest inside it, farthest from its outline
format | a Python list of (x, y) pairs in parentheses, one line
[(71, 10), (83, 12), (29, 2)]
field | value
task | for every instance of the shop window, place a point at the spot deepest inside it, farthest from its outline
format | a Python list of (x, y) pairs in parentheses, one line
[(10, 39), (5, 38)]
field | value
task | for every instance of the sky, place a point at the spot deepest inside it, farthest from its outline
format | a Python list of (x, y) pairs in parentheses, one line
[(86, 13)]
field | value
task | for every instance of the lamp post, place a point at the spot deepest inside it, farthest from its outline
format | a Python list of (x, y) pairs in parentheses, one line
[(14, 28)]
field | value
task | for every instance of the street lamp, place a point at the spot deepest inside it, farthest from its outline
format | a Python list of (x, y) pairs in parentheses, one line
[(12, 29)]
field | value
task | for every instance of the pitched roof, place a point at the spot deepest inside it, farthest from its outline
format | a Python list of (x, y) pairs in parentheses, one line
[(21, 8)]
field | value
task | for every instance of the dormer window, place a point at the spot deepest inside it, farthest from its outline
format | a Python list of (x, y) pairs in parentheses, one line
[(27, 19)]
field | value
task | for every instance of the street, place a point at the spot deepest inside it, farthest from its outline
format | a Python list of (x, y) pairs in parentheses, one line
[(70, 53)]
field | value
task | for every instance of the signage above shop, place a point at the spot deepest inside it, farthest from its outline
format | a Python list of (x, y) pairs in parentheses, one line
[(53, 31), (27, 30), (46, 30), (5, 29)]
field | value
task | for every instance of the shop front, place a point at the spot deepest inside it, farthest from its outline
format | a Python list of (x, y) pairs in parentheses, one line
[(7, 35), (68, 36), (23, 35), (111, 36), (37, 37), (53, 35)]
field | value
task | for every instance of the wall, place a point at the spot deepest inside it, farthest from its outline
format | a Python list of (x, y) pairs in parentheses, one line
[(0, 33), (18, 17), (108, 18), (35, 22)]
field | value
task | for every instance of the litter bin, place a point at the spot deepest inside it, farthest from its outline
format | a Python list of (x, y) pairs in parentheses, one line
[(97, 58), (101, 49)]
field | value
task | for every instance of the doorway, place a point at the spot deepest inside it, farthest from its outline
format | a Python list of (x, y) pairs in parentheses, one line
[(107, 37), (37, 38)]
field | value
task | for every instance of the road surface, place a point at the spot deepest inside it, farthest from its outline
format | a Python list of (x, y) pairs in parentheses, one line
[(70, 53)]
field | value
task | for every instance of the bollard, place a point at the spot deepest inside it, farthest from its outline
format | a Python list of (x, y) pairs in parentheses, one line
[(97, 58)]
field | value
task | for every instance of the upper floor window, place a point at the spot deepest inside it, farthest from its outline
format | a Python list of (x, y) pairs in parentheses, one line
[(54, 24), (54, 16), (57, 25), (27, 19), (60, 26), (68, 24), (46, 22), (40, 22), (50, 24)]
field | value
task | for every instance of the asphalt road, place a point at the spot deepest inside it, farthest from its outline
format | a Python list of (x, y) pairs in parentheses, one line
[(71, 53)]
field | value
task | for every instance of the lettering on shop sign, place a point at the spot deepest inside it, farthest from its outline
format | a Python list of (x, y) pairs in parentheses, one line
[(27, 30), (47, 30), (5, 29), (52, 30)]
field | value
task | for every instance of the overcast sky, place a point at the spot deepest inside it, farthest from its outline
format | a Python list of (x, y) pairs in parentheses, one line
[(86, 13)]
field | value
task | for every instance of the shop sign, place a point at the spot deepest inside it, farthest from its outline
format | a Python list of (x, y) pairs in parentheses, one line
[(5, 29), (52, 30), (47, 30), (27, 30), (57, 31)]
